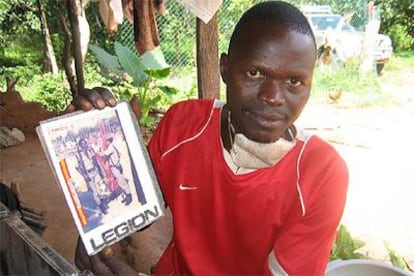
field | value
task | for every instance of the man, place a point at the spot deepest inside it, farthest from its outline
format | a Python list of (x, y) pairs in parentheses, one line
[(90, 170), (249, 195), (112, 156)]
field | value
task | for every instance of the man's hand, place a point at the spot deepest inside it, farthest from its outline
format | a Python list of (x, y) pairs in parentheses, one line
[(103, 263), (99, 98)]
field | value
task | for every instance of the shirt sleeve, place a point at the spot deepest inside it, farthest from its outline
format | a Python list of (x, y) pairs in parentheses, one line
[(304, 244)]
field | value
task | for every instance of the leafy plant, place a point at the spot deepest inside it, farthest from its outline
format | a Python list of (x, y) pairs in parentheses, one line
[(345, 246), (53, 93), (24, 73), (131, 74), (396, 259)]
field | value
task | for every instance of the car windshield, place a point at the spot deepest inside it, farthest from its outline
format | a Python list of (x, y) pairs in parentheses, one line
[(347, 27), (323, 22)]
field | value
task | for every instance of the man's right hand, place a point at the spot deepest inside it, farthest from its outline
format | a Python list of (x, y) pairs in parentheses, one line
[(99, 98), (103, 263)]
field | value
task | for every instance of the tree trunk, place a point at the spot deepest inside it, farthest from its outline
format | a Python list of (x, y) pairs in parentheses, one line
[(50, 63), (67, 55), (207, 59), (80, 39)]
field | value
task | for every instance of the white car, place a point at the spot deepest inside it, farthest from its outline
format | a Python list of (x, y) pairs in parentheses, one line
[(343, 39)]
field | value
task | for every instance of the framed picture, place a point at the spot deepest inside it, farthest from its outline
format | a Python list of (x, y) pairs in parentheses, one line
[(101, 163)]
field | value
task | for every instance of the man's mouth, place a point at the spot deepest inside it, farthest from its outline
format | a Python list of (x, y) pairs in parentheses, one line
[(265, 119)]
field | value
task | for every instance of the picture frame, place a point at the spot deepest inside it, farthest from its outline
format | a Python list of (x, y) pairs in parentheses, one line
[(100, 161)]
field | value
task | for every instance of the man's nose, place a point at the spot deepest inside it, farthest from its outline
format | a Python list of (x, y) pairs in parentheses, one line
[(272, 93)]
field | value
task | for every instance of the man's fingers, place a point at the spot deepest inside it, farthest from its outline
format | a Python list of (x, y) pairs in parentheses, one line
[(82, 103), (106, 95), (81, 257), (69, 109), (118, 266), (92, 263), (94, 98), (103, 263), (98, 97), (98, 267)]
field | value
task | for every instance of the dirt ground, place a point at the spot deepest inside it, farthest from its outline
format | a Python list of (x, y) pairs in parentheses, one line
[(377, 146), (376, 143)]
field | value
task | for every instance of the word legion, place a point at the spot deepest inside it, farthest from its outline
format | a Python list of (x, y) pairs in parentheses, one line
[(124, 229)]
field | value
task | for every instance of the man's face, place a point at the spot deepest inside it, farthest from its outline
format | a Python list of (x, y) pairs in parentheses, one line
[(268, 74), (83, 145)]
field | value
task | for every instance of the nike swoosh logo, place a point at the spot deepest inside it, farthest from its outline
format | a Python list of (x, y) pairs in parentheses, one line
[(186, 188)]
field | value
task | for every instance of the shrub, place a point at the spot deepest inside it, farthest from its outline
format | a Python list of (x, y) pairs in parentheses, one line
[(130, 74), (401, 41), (52, 91)]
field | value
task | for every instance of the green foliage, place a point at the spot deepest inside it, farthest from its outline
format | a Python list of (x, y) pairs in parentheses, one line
[(184, 78), (177, 34), (20, 30), (131, 64), (24, 73), (22, 51), (131, 74), (19, 33), (229, 14), (17, 17), (345, 247), (92, 74), (401, 41), (395, 258), (397, 20), (401, 61), (53, 94)]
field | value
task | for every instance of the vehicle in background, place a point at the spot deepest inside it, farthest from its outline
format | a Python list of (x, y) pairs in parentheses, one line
[(337, 40)]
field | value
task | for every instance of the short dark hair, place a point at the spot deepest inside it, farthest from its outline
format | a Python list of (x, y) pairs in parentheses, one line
[(277, 13), (82, 141)]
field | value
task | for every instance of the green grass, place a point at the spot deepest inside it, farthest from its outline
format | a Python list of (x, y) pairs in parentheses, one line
[(21, 52), (401, 61), (357, 90)]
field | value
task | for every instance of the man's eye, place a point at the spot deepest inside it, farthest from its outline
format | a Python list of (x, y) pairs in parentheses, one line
[(254, 74), (294, 82)]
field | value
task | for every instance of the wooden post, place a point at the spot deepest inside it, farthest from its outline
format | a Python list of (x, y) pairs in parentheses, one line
[(208, 72), (74, 9)]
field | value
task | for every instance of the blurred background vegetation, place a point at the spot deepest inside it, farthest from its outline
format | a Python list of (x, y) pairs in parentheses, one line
[(22, 49)]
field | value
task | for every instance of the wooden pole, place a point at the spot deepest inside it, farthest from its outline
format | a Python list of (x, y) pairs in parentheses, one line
[(208, 72), (66, 56), (74, 11)]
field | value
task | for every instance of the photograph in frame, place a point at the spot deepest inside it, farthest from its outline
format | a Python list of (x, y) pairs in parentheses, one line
[(100, 161)]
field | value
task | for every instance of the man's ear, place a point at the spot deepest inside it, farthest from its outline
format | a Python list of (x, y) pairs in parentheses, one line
[(223, 66)]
